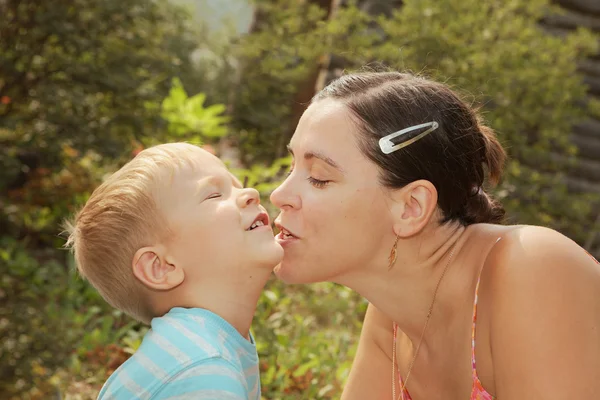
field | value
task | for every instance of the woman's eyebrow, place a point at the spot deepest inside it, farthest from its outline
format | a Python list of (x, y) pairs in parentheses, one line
[(315, 154)]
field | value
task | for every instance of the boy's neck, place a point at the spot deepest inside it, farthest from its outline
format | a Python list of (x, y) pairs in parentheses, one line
[(235, 300), (236, 307)]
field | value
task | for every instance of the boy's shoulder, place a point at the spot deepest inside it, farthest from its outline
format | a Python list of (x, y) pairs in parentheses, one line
[(186, 344)]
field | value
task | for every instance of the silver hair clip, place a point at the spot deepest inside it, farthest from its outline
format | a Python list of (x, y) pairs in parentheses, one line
[(386, 145)]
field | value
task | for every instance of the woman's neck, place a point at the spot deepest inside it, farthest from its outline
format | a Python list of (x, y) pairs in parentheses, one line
[(405, 292)]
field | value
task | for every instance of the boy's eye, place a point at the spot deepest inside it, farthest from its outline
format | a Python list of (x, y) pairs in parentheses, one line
[(214, 196)]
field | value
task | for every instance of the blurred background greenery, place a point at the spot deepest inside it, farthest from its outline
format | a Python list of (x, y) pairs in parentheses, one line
[(86, 84)]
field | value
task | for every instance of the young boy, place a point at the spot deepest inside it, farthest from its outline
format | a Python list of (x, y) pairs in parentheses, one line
[(174, 240)]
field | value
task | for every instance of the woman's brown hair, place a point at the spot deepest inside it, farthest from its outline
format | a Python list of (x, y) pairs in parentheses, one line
[(456, 158)]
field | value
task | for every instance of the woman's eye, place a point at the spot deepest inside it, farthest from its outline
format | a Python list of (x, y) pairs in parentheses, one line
[(317, 182), (214, 196)]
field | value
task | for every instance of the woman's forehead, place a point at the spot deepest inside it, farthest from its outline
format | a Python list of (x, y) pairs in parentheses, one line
[(325, 128), (326, 114)]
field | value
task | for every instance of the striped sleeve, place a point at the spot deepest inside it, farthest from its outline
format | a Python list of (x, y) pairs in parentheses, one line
[(213, 378)]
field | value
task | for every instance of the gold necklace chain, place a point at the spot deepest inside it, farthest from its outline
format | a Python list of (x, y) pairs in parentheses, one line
[(405, 381)]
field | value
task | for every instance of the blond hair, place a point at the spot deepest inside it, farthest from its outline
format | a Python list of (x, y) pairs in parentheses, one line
[(121, 216)]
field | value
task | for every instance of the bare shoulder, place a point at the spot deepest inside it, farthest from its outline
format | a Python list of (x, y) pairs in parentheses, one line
[(531, 264), (545, 316), (527, 252)]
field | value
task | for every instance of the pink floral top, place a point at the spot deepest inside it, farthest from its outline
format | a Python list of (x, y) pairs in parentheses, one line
[(477, 392)]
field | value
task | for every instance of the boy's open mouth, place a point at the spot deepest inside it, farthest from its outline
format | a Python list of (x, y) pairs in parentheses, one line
[(261, 219)]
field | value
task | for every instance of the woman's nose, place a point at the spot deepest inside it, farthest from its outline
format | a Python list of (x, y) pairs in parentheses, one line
[(282, 197)]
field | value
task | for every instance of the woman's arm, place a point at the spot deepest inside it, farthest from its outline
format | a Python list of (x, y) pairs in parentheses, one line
[(545, 327), (371, 374)]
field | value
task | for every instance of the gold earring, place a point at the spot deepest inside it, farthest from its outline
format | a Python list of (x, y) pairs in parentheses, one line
[(393, 254)]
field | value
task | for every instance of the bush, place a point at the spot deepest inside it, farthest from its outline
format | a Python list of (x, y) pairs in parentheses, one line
[(49, 319)]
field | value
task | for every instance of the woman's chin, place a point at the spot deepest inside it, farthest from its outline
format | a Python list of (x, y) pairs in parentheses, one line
[(280, 272), (291, 274)]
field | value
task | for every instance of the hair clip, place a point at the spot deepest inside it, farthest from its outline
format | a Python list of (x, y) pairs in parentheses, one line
[(386, 145)]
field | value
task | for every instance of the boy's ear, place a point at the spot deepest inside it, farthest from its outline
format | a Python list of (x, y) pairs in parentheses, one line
[(412, 207), (151, 268)]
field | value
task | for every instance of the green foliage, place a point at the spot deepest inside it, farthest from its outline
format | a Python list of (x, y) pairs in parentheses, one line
[(274, 61), (187, 117), (79, 74), (48, 317), (306, 339), (109, 71)]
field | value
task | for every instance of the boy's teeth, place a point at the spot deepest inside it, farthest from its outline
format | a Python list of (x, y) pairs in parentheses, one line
[(256, 224)]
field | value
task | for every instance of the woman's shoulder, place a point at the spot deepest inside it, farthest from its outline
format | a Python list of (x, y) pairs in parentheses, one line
[(545, 292), (526, 249), (532, 266)]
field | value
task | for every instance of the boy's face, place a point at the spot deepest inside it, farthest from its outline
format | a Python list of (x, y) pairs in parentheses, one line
[(219, 228)]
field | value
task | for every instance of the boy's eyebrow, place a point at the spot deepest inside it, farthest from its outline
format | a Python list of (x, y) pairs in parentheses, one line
[(202, 183), (315, 154), (237, 181)]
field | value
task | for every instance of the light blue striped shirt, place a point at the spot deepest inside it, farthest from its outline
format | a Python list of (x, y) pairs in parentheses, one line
[(189, 353)]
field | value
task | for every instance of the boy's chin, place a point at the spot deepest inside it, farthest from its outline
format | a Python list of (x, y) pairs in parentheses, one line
[(275, 261), (270, 257)]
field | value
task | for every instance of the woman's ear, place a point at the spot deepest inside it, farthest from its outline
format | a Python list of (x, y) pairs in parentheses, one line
[(412, 207), (151, 268)]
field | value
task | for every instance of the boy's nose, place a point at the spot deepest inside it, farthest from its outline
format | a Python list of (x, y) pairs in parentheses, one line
[(248, 196)]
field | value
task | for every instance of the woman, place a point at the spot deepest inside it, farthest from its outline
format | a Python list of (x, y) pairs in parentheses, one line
[(386, 196)]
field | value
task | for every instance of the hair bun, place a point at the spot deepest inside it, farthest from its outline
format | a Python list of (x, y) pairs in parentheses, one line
[(482, 208)]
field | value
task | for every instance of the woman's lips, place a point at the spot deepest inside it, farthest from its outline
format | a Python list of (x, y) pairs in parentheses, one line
[(284, 237)]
